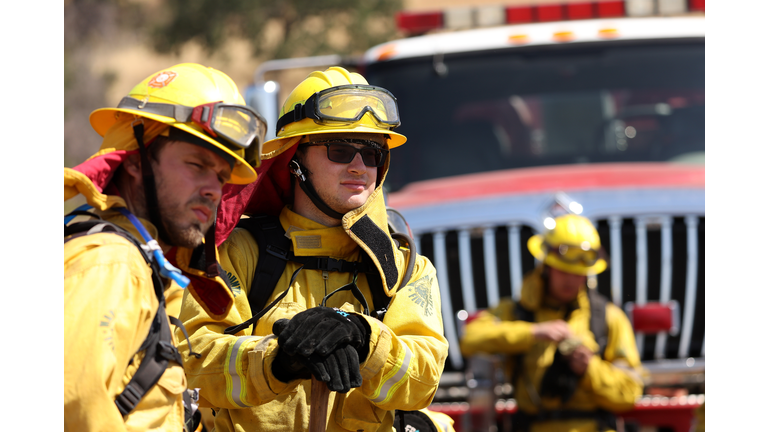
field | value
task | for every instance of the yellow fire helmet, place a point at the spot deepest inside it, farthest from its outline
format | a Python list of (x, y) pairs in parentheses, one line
[(202, 102), (332, 101), (573, 246)]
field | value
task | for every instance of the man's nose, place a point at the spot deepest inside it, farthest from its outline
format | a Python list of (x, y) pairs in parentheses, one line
[(357, 164), (212, 188)]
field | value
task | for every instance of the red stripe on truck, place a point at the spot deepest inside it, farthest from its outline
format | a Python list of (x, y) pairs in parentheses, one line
[(550, 178)]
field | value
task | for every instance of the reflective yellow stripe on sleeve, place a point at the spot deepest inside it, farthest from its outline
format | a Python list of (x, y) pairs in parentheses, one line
[(235, 378), (396, 377)]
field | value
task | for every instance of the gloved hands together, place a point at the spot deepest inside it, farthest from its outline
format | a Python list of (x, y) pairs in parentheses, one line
[(327, 342), (320, 330), (568, 366)]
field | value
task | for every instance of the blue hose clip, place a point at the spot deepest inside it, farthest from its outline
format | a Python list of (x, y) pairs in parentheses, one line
[(166, 268)]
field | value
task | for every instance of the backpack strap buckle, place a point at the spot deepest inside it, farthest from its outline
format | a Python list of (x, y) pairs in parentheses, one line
[(169, 352), (276, 251), (330, 264), (128, 399)]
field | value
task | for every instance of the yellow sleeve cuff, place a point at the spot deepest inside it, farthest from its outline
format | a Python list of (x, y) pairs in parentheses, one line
[(260, 360)]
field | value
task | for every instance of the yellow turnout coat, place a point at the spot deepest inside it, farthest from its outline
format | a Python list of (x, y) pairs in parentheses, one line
[(407, 350), (612, 383)]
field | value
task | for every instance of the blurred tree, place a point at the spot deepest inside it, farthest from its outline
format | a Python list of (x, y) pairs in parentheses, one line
[(278, 29), (273, 28), (87, 23)]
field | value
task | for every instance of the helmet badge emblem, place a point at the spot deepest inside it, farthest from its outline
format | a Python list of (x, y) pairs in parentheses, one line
[(162, 79)]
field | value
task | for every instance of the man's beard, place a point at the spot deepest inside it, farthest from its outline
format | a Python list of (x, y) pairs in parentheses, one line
[(173, 214), (179, 234)]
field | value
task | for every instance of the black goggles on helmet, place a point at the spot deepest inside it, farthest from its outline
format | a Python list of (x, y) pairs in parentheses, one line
[(235, 127), (572, 254), (346, 104), (342, 151)]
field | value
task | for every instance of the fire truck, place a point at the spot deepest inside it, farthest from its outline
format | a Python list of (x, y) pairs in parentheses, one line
[(517, 114)]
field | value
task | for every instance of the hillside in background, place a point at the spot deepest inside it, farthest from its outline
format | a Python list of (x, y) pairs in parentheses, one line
[(109, 46)]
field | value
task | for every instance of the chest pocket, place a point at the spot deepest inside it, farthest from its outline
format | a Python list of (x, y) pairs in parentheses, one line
[(173, 380)]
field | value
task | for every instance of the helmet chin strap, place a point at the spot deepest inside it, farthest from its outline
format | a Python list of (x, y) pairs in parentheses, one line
[(150, 190), (298, 171)]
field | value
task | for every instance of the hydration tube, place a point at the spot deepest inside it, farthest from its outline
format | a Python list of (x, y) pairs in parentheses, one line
[(166, 268), (72, 215)]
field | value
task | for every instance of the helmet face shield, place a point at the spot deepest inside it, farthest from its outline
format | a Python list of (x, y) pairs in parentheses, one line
[(346, 104)]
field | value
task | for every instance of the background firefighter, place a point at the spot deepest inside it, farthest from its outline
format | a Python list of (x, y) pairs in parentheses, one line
[(321, 181), (567, 374), (159, 175)]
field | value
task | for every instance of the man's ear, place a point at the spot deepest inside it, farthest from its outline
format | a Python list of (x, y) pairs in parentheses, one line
[(132, 167)]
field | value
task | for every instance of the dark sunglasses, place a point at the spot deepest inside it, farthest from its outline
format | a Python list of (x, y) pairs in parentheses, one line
[(342, 152)]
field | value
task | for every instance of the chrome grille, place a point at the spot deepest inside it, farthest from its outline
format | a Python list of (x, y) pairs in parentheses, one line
[(651, 258)]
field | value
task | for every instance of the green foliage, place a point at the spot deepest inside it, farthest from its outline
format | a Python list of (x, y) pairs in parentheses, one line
[(278, 29)]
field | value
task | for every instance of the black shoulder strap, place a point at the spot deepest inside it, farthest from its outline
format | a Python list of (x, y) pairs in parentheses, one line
[(597, 320), (158, 346), (521, 314), (274, 253), (159, 350), (97, 225)]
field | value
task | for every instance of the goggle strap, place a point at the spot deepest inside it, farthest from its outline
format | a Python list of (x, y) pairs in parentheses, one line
[(297, 114), (180, 113)]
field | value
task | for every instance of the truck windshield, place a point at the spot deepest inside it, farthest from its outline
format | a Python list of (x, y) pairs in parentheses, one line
[(567, 104)]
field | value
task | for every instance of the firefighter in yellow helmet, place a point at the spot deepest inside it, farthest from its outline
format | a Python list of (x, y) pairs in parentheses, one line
[(152, 191), (571, 354), (322, 289)]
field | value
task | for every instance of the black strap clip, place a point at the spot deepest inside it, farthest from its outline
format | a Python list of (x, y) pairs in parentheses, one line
[(127, 400), (298, 114), (169, 352), (330, 264), (276, 251)]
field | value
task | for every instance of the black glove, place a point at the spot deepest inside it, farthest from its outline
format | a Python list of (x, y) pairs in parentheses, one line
[(286, 367), (559, 380), (340, 370), (320, 330)]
